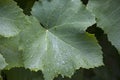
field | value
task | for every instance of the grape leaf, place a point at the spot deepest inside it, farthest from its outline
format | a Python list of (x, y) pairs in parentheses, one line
[(11, 18), (107, 13), (60, 44), (3, 63)]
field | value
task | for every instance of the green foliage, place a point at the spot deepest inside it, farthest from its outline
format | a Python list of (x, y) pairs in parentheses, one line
[(107, 16), (11, 18), (2, 62), (53, 38)]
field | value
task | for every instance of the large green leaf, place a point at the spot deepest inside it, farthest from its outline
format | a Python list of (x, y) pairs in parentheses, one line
[(60, 45), (3, 64), (107, 13), (11, 18)]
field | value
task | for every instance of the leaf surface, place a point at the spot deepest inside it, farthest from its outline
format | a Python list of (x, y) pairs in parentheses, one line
[(3, 63), (11, 18), (60, 44), (107, 13), (9, 48), (12, 21)]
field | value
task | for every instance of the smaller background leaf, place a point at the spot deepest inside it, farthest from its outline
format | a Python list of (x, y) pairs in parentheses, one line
[(3, 64), (10, 51), (11, 18), (107, 14)]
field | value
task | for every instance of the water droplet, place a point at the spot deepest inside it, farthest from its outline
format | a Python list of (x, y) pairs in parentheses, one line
[(63, 62), (48, 70), (31, 56), (46, 30), (58, 63)]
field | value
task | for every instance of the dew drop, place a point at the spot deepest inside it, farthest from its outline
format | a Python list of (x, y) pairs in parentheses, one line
[(58, 63), (63, 62), (31, 56)]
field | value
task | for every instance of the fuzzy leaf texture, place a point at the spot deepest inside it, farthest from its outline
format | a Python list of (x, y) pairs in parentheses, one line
[(9, 50), (107, 13), (3, 64), (11, 18), (60, 45), (12, 21)]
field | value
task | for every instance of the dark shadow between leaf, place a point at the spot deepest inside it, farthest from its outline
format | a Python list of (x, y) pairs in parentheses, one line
[(111, 56), (21, 74), (26, 5), (85, 2)]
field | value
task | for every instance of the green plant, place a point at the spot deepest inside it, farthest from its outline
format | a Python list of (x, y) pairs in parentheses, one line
[(55, 37)]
